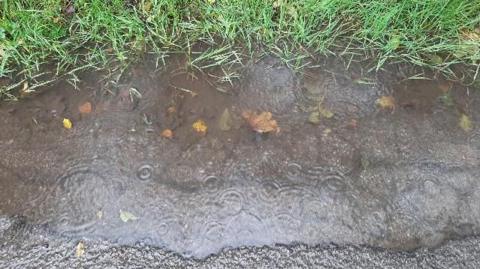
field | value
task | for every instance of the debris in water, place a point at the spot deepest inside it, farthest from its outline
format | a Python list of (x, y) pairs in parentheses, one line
[(314, 117), (225, 122), (86, 108), (167, 133), (126, 216), (171, 110), (261, 123), (67, 124), (325, 112), (386, 102), (80, 249), (200, 127), (465, 123)]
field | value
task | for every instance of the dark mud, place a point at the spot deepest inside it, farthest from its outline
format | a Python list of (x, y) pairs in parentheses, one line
[(399, 179)]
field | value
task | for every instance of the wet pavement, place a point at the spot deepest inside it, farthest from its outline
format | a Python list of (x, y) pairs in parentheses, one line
[(359, 176)]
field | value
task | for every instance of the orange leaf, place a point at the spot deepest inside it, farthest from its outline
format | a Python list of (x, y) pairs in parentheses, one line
[(167, 133), (261, 123), (86, 108)]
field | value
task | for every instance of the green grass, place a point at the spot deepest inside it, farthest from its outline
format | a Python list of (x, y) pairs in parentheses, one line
[(438, 34)]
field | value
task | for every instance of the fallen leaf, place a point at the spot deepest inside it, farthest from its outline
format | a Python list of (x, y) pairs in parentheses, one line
[(386, 102), (80, 249), (445, 86), (171, 110), (167, 133), (200, 127), (325, 112), (86, 108), (225, 121), (327, 131), (465, 123), (67, 124), (314, 117), (352, 124), (261, 123), (126, 216)]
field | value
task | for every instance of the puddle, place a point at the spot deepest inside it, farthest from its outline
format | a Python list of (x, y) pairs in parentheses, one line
[(399, 179)]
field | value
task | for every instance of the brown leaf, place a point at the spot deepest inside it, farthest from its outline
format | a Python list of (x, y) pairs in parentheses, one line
[(86, 108), (261, 123), (167, 133)]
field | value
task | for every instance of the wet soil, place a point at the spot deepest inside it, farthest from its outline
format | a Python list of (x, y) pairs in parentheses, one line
[(399, 178)]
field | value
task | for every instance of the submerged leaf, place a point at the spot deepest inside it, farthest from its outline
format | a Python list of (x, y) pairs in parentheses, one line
[(314, 117), (126, 216), (200, 127), (261, 123), (325, 112), (465, 123), (86, 108), (386, 102), (67, 124), (225, 121)]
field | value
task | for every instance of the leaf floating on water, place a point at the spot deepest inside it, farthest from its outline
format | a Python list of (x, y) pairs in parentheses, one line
[(261, 123), (200, 127), (465, 123), (386, 102), (67, 124), (86, 108), (167, 133), (126, 216), (80, 249), (225, 121)]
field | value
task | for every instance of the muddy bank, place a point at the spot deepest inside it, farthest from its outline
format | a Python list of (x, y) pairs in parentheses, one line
[(399, 177)]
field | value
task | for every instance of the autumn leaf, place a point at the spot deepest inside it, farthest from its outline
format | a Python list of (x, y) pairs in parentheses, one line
[(225, 121), (261, 123), (200, 127), (80, 249), (465, 123), (67, 124), (126, 216), (386, 102), (86, 108), (167, 133), (171, 110)]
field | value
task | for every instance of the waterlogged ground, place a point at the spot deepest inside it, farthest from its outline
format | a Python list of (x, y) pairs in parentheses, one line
[(342, 169)]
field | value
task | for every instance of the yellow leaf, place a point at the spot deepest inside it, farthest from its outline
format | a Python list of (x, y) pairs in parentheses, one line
[(386, 102), (465, 123), (80, 250), (67, 124), (200, 127)]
